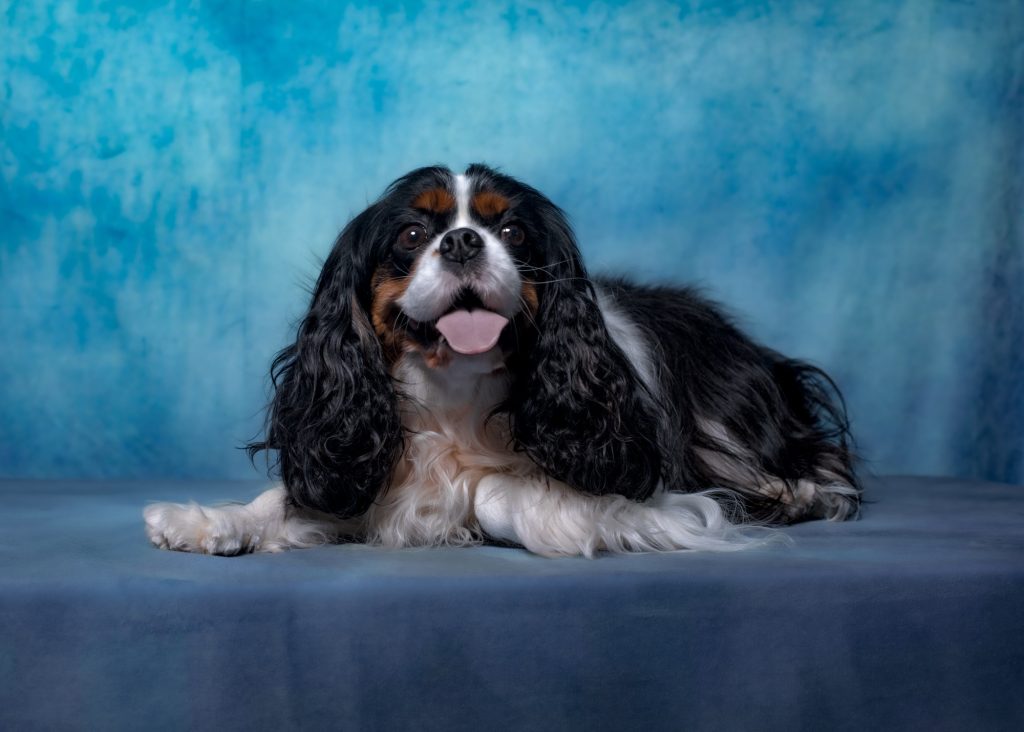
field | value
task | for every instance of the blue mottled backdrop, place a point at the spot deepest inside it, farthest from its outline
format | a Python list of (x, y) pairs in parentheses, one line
[(847, 176)]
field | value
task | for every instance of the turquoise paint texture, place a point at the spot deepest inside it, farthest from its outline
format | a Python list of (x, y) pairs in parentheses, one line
[(845, 176)]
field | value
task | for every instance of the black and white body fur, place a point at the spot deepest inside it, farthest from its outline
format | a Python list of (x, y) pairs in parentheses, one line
[(602, 416)]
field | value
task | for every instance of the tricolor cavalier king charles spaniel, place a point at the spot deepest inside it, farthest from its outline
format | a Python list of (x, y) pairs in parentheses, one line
[(460, 378)]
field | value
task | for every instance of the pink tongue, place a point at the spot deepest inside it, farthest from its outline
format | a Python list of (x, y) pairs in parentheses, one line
[(471, 331)]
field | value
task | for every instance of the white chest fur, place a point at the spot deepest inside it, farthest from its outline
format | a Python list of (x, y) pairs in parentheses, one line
[(452, 443)]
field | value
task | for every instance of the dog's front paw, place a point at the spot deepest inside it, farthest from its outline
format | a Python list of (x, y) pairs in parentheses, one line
[(192, 528)]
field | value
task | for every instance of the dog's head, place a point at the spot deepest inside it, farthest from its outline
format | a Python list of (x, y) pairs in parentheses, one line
[(447, 267), (454, 263)]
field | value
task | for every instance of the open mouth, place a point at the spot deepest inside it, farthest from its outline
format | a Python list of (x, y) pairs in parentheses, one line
[(467, 327)]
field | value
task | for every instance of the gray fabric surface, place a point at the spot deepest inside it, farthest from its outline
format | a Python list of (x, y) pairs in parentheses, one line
[(910, 618)]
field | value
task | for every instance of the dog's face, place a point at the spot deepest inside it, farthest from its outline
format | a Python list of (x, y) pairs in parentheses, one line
[(451, 266), (457, 263)]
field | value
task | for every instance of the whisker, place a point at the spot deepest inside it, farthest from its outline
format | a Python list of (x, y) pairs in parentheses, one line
[(517, 292), (526, 311), (562, 279), (544, 268)]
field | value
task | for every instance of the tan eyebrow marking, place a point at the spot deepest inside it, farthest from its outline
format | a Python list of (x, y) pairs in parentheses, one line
[(488, 204), (435, 200)]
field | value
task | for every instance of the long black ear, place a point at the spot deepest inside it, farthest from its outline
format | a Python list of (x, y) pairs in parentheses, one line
[(577, 407), (334, 417)]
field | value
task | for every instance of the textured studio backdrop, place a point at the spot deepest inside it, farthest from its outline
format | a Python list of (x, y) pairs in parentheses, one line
[(847, 177)]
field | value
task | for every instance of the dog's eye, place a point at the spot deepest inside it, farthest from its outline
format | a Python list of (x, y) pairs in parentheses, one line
[(512, 234), (412, 236)]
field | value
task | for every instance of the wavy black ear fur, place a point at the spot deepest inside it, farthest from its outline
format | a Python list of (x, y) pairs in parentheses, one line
[(577, 407), (334, 418)]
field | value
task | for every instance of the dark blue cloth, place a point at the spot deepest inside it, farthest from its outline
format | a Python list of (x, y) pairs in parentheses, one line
[(910, 618)]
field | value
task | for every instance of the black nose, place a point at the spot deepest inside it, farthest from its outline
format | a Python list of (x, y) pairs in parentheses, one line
[(461, 245)]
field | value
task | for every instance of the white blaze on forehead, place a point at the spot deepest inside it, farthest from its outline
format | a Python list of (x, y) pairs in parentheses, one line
[(462, 186)]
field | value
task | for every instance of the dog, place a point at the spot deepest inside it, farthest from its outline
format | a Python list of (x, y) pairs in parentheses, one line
[(459, 378)]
